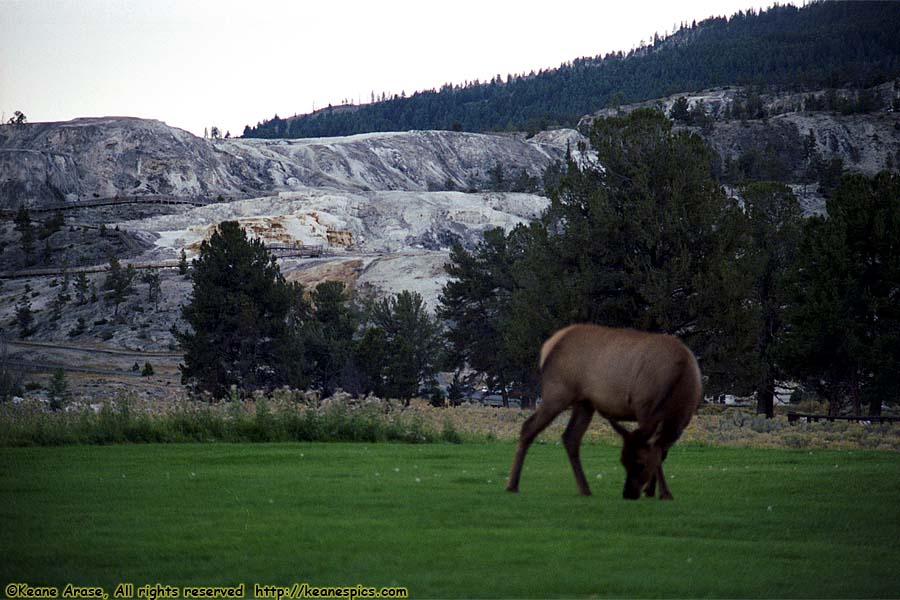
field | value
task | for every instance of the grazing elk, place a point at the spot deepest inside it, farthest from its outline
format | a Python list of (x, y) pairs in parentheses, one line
[(624, 375)]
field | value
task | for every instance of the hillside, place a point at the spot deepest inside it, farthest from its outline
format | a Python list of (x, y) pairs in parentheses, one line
[(83, 159), (369, 203), (806, 140), (824, 44)]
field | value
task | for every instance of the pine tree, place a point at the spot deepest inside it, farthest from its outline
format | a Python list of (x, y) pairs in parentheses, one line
[(154, 288), (679, 110), (775, 221), (182, 263), (23, 226), (237, 315), (24, 316), (648, 241), (474, 304), (118, 283), (330, 335), (82, 287), (411, 343), (843, 321), (58, 392)]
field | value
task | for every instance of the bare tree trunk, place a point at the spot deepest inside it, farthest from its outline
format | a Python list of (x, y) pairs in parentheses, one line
[(875, 407), (834, 405), (765, 394)]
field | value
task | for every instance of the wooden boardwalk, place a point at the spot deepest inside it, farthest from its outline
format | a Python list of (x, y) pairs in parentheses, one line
[(117, 201), (277, 250)]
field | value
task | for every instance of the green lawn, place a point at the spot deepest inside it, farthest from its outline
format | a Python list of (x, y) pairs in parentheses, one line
[(436, 519)]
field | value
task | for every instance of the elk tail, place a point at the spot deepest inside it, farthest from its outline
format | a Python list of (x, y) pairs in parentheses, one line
[(550, 345)]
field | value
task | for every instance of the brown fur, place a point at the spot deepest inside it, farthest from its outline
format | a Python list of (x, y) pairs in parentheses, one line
[(624, 375)]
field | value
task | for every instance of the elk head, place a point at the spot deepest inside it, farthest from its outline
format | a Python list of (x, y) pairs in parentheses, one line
[(641, 458)]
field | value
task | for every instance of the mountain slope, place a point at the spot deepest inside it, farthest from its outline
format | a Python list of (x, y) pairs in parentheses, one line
[(825, 44), (45, 163)]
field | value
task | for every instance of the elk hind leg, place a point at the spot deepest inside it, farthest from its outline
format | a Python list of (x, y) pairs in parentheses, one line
[(532, 426), (664, 493), (582, 412)]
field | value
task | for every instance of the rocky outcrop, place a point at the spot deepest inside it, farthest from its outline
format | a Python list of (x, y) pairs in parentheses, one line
[(45, 163), (790, 137)]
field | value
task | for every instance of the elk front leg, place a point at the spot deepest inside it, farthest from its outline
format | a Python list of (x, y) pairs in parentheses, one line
[(532, 426), (582, 412)]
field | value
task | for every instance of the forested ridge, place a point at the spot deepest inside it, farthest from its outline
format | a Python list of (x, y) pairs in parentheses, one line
[(822, 45)]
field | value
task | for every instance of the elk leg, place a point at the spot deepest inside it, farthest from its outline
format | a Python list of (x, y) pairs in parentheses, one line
[(582, 412), (650, 490), (664, 493), (532, 426)]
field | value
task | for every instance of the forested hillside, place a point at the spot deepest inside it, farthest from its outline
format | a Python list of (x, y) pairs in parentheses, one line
[(825, 44)]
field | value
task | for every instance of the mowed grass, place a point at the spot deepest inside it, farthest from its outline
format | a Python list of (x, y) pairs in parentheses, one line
[(436, 519)]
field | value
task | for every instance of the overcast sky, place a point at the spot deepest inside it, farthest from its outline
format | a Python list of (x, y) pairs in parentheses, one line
[(196, 63)]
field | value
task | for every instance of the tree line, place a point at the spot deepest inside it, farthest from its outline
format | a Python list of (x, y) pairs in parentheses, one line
[(645, 237), (821, 45), (250, 329), (650, 240)]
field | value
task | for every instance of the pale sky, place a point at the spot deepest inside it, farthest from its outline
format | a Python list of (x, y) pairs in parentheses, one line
[(197, 63)]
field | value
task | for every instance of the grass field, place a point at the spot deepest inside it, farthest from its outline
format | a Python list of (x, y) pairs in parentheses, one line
[(436, 519)]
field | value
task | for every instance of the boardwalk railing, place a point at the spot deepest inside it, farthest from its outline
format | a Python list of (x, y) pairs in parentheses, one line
[(277, 250), (127, 199)]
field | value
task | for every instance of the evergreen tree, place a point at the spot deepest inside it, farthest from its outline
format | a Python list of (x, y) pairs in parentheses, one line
[(775, 221), (82, 287), (58, 392), (182, 263), (79, 328), (59, 302), (330, 336), (237, 314), (26, 232), (24, 316), (154, 288), (474, 305), (679, 110), (648, 241), (843, 322), (117, 284), (53, 224), (371, 358), (411, 343)]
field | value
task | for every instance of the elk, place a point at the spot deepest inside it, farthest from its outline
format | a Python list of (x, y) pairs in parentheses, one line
[(624, 375)]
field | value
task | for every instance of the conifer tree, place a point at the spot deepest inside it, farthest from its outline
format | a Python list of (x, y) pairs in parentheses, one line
[(775, 221), (843, 321), (24, 316), (117, 284), (410, 344), (237, 316), (58, 392)]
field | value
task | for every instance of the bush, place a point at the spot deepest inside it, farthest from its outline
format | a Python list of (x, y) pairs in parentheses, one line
[(227, 422)]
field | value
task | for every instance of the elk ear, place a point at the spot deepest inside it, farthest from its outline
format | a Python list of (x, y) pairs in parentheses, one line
[(619, 428)]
